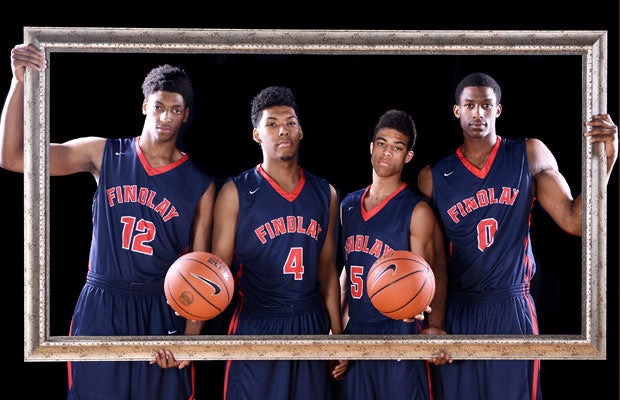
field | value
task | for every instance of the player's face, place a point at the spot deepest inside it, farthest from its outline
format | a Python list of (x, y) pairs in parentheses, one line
[(389, 152), (165, 113), (279, 133), (477, 111)]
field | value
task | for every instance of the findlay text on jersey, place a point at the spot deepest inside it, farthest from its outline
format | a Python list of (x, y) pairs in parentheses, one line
[(144, 196)]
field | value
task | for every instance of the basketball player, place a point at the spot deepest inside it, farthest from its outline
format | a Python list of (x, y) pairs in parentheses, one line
[(275, 226), (484, 193), (383, 216), (151, 205)]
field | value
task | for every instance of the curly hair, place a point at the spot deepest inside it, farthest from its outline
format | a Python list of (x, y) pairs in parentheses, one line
[(400, 121), (169, 79), (271, 96), (478, 79)]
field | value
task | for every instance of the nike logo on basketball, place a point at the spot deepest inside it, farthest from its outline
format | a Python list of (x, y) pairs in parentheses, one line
[(448, 173), (391, 267), (254, 191), (216, 288)]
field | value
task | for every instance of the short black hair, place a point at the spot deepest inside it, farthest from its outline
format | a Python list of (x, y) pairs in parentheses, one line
[(400, 121), (170, 79), (271, 96), (478, 79)]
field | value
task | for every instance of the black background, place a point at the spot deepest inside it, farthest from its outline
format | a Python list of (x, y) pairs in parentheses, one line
[(341, 98)]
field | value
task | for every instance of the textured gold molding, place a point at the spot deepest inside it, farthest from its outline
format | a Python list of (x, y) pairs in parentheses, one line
[(40, 346)]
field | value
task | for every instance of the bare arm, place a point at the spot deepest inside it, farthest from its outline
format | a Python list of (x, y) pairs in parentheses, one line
[(344, 291), (551, 189), (225, 222), (426, 240), (602, 129), (202, 231), (201, 241), (438, 263), (12, 121), (330, 283), (550, 186), (78, 155), (327, 273), (425, 182), (344, 299)]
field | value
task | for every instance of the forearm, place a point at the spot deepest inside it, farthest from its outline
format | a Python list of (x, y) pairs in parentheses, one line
[(193, 327), (331, 298), (12, 129)]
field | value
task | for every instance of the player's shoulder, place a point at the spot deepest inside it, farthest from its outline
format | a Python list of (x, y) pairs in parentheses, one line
[(533, 143), (353, 196), (319, 182)]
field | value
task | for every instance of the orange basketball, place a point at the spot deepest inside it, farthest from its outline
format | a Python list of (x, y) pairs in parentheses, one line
[(199, 286), (400, 284)]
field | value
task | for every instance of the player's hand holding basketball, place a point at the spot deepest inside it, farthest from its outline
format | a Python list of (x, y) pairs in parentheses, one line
[(199, 286), (418, 317), (401, 285)]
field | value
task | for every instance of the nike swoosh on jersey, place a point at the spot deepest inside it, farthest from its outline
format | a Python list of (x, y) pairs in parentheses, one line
[(448, 173)]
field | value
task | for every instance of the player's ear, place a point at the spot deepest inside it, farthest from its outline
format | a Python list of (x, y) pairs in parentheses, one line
[(499, 110), (145, 103), (256, 136), (409, 156), (455, 110), (372, 146)]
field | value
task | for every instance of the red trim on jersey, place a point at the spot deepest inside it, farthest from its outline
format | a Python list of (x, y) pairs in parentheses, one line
[(366, 215), (157, 170), (479, 172), (288, 196)]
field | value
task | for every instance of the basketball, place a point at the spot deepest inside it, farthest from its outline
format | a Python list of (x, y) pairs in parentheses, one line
[(400, 284), (199, 286)]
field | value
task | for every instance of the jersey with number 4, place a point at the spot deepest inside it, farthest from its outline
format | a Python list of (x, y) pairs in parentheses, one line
[(486, 216), (279, 239)]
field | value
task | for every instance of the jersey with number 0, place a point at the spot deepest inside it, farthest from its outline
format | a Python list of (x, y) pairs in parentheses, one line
[(366, 236), (279, 239), (486, 216), (142, 222)]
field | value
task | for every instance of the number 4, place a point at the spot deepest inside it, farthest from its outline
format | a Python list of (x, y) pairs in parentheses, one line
[(295, 263)]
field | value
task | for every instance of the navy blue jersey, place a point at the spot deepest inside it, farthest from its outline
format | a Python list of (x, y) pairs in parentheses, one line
[(142, 216), (279, 239), (486, 216), (366, 236), (142, 222)]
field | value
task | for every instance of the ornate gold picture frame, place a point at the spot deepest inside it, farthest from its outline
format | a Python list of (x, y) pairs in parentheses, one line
[(39, 345)]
